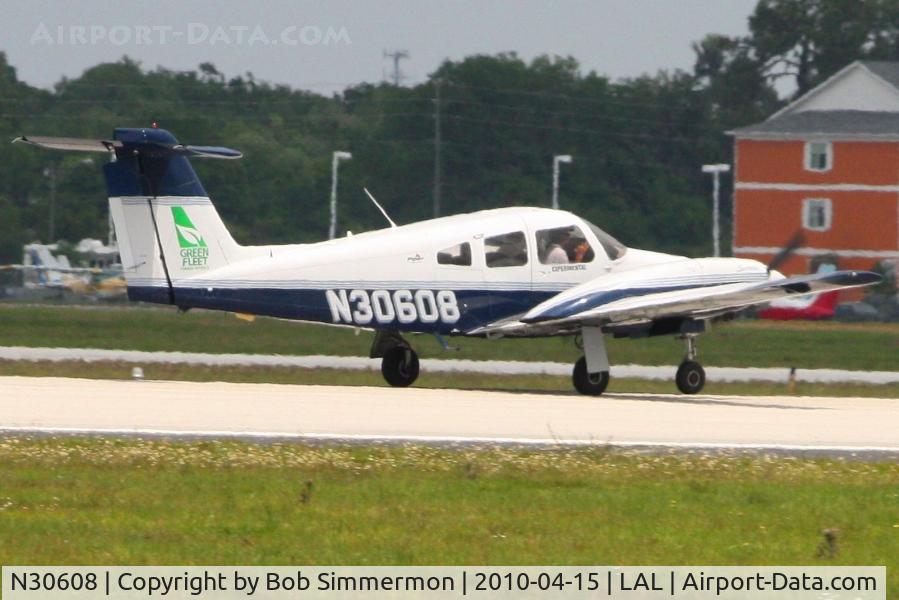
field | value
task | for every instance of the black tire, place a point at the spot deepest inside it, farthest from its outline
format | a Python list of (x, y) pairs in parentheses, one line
[(589, 384), (690, 377), (400, 366)]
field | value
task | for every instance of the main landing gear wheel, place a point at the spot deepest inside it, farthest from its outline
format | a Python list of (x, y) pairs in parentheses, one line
[(589, 384), (399, 366), (690, 377)]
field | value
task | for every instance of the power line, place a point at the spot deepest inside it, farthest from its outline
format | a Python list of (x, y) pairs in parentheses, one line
[(645, 136), (544, 94)]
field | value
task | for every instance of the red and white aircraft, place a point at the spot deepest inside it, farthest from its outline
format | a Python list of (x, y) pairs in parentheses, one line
[(812, 307)]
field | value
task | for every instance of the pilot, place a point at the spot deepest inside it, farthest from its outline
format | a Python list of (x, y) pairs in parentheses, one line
[(556, 253), (582, 251)]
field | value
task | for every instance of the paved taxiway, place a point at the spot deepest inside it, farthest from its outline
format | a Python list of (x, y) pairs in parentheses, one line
[(58, 405), (436, 365)]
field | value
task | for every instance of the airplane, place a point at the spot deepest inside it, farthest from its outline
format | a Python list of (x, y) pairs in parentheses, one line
[(493, 273), (42, 269), (811, 307)]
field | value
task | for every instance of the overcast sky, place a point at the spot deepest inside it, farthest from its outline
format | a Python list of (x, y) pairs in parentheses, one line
[(327, 45)]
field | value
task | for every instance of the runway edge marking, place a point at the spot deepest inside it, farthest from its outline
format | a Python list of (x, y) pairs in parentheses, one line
[(274, 435)]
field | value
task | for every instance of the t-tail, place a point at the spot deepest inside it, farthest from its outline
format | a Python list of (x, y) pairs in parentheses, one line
[(167, 228)]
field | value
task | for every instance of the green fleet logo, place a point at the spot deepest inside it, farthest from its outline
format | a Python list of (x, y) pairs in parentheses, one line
[(194, 252)]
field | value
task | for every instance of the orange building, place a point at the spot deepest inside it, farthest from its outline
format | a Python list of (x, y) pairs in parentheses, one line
[(827, 166)]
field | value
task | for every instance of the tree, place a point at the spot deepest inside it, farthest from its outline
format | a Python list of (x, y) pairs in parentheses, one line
[(809, 40), (734, 81)]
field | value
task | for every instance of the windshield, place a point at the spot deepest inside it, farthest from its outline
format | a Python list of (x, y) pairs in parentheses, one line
[(613, 247)]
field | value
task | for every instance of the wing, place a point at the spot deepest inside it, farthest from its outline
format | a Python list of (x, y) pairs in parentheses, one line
[(596, 305)]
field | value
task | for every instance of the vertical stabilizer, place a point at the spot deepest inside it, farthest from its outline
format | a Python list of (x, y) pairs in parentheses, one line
[(167, 227)]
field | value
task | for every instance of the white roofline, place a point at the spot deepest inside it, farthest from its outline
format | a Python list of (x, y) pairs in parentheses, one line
[(821, 87), (815, 90), (881, 80)]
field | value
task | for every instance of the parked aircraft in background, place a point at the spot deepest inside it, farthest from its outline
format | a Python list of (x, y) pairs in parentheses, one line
[(517, 272), (41, 268), (811, 307)]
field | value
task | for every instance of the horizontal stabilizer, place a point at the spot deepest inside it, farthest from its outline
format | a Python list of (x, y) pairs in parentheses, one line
[(65, 143), (152, 147)]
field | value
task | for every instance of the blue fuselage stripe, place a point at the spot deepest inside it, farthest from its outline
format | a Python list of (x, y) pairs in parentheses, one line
[(476, 307)]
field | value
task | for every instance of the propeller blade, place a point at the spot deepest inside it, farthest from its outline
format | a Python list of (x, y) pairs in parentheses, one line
[(781, 257)]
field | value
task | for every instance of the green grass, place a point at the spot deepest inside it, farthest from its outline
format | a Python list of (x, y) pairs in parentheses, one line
[(103, 501), (741, 343), (470, 381)]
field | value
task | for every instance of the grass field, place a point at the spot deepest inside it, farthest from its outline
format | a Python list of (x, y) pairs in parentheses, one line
[(741, 343), (76, 501)]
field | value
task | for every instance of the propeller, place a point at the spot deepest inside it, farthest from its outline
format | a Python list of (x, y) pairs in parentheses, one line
[(781, 257)]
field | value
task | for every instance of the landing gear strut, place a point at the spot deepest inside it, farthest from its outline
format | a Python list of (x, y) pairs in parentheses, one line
[(399, 362), (690, 376), (591, 372)]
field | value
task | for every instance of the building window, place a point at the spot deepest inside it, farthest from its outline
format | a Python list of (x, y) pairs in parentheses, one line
[(817, 214), (818, 156)]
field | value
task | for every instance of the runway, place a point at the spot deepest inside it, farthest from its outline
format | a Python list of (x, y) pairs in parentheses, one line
[(47, 405)]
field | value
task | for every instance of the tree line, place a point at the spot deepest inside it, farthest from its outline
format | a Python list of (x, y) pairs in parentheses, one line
[(638, 144)]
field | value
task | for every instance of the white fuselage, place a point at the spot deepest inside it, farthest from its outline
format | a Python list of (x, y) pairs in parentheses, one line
[(415, 277)]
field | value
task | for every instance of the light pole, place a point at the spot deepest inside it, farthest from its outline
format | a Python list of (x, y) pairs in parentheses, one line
[(558, 158), (716, 170), (335, 160)]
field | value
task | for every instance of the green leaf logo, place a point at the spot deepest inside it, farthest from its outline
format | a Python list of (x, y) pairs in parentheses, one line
[(188, 235)]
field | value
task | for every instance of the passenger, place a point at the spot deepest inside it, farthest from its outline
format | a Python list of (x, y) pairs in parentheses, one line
[(556, 254)]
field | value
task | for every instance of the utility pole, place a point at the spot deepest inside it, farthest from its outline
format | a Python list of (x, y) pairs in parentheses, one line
[(716, 170), (397, 55), (437, 165)]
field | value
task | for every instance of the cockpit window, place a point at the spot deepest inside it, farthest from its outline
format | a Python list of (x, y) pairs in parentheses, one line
[(613, 247), (562, 245), (506, 250), (460, 255)]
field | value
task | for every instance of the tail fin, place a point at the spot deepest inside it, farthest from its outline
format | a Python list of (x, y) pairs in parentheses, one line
[(827, 301), (166, 226)]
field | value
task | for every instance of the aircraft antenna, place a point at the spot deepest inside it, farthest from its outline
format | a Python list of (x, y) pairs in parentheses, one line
[(380, 208)]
